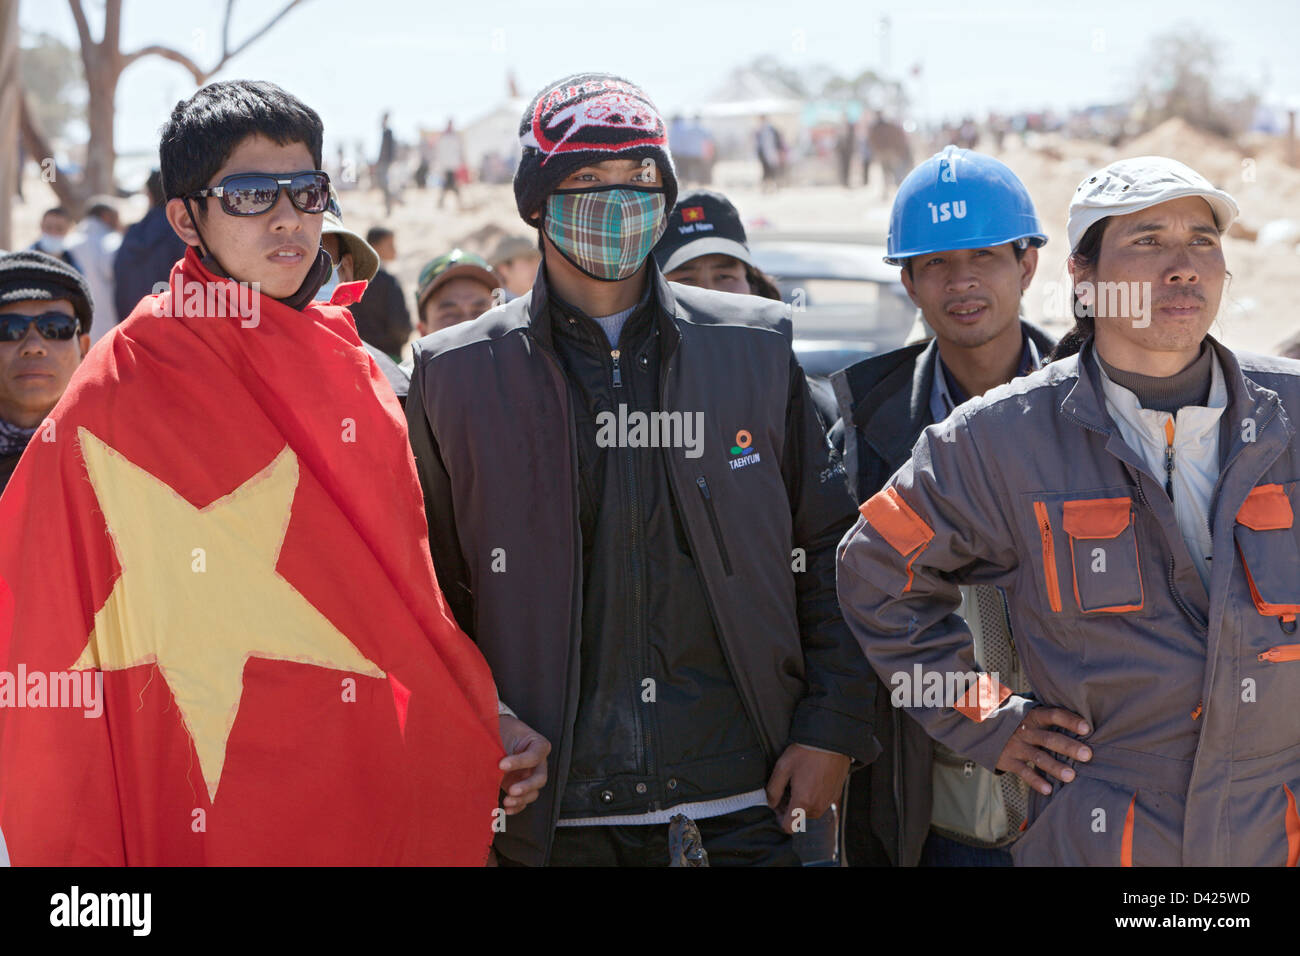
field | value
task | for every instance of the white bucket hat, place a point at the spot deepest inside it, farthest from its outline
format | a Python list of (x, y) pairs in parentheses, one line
[(1130, 185)]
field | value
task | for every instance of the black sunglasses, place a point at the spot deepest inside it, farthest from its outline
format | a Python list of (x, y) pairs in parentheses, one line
[(52, 325), (251, 194)]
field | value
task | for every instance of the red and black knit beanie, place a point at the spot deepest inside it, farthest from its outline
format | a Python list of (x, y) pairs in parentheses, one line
[(583, 119)]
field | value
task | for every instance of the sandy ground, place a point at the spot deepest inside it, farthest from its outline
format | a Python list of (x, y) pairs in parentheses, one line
[(1257, 312)]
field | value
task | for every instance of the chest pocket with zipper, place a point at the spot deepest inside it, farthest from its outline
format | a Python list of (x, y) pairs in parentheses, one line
[(1089, 546)]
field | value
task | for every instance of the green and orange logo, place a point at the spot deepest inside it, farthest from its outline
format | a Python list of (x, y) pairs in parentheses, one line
[(743, 451)]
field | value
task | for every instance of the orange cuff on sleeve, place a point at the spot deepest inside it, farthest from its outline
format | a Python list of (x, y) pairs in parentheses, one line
[(981, 699)]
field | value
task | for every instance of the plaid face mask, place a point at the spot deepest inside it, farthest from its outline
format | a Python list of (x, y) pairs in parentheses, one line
[(607, 232)]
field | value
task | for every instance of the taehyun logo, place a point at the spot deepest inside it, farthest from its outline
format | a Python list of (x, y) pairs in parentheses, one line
[(743, 452)]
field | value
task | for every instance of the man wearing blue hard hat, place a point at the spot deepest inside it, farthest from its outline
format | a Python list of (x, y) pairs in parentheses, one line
[(965, 233)]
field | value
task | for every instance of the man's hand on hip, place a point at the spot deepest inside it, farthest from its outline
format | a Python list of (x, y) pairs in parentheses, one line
[(1031, 746)]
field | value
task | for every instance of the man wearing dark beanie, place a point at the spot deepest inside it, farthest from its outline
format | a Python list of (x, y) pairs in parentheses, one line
[(45, 320), (633, 511)]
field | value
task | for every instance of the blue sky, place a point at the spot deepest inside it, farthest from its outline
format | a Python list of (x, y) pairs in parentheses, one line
[(350, 60)]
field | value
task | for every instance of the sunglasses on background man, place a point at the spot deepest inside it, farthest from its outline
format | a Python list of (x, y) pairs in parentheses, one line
[(55, 326)]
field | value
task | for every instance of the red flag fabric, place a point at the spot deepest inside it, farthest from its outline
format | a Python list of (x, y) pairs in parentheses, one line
[(217, 541)]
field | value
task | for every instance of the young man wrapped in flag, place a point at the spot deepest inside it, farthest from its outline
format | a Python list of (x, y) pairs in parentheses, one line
[(217, 535)]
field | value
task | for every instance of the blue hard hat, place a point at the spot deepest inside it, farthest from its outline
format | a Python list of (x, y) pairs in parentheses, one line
[(960, 199)]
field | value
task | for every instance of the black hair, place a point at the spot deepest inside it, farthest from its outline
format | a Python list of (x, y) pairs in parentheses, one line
[(378, 234), (761, 284), (1084, 256), (57, 211), (204, 130)]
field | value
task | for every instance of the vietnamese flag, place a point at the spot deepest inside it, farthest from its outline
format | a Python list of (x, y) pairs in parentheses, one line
[(692, 213), (221, 521)]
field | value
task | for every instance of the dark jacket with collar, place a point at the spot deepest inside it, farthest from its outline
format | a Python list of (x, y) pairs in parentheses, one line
[(495, 409), (885, 402), (382, 317)]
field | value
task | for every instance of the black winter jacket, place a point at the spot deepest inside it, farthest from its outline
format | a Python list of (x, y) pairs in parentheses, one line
[(496, 405), (659, 719), (381, 315), (148, 251)]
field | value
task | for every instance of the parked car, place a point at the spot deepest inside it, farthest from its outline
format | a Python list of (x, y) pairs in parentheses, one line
[(848, 305)]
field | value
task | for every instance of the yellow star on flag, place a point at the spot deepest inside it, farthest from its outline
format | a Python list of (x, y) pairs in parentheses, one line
[(199, 594)]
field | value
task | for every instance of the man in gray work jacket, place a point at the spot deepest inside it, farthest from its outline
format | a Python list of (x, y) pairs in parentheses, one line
[(1136, 501), (633, 510)]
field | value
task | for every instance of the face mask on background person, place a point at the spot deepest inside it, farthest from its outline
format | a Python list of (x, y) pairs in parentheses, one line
[(327, 290), (50, 244), (608, 231)]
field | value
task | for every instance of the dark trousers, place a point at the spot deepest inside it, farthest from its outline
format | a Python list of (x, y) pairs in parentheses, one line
[(940, 851), (751, 837)]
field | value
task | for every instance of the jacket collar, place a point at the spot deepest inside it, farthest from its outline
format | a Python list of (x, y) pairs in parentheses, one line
[(666, 313), (896, 407), (1086, 400), (887, 397)]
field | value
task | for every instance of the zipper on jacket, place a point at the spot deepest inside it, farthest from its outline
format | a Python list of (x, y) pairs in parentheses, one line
[(1137, 479), (1173, 588), (1049, 556), (1169, 458), (1283, 652), (633, 529), (638, 598), (713, 522)]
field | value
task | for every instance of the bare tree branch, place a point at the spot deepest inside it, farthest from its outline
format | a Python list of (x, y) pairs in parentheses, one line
[(227, 55), (83, 28), (225, 29), (112, 27), (201, 75), (39, 149), (167, 53)]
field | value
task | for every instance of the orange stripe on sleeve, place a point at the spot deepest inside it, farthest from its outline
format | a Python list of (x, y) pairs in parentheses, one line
[(898, 524)]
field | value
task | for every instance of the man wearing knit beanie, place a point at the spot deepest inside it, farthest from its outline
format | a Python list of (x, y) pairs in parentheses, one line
[(633, 510), (45, 318)]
